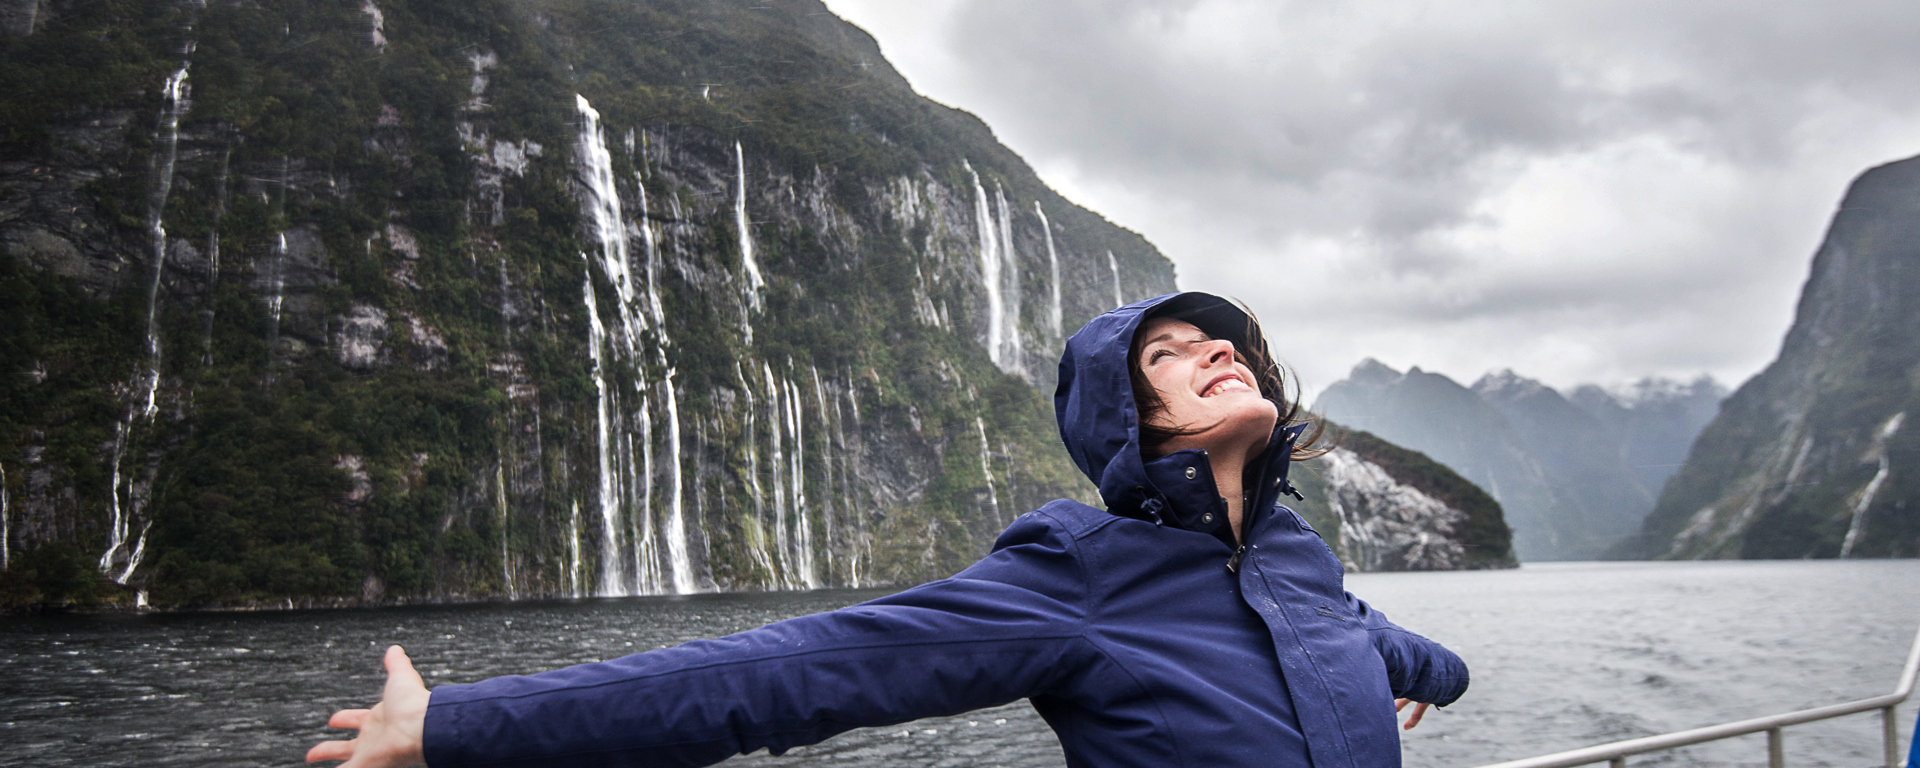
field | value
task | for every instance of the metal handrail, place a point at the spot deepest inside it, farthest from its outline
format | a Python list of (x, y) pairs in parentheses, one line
[(1616, 753)]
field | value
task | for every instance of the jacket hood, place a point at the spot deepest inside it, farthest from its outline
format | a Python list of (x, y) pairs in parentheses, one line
[(1100, 424)]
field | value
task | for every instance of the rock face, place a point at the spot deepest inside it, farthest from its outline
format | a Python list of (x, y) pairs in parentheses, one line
[(1816, 455), (523, 298), (1563, 470), (1385, 508)]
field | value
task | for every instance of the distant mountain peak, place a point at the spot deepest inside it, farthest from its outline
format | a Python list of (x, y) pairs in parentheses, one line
[(1505, 384), (1373, 373)]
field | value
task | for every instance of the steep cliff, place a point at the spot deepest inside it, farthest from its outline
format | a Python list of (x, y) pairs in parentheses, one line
[(1812, 457), (1385, 508), (333, 303)]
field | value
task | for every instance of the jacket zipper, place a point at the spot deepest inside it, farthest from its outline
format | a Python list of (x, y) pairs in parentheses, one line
[(1233, 562)]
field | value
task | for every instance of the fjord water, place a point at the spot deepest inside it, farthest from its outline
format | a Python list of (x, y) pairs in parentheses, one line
[(1563, 655)]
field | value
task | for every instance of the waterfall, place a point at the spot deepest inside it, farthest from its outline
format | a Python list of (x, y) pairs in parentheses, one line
[(661, 558), (986, 470), (117, 528), (1114, 267), (6, 524), (278, 278), (1053, 263), (646, 552), (175, 94), (573, 551), (121, 523), (1010, 275), (781, 543), (611, 576), (500, 504), (379, 24), (803, 526), (989, 267), (676, 523), (1880, 439), (754, 281), (133, 560), (756, 533), (826, 467)]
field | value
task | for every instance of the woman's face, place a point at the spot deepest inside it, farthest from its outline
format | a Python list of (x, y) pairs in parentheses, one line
[(1205, 389)]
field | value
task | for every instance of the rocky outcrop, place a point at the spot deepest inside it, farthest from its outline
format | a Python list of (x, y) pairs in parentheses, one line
[(1815, 455), (1385, 508)]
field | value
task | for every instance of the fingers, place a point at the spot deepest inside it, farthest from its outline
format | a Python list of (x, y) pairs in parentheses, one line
[(348, 718), (330, 750), (1400, 704), (400, 669), (1419, 711)]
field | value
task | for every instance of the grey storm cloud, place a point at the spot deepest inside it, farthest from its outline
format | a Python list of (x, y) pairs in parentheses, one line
[(1571, 189)]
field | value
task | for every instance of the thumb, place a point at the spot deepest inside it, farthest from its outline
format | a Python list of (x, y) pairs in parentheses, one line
[(400, 671)]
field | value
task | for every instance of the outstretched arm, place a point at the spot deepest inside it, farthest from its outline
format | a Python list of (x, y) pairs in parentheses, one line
[(1418, 669), (390, 732)]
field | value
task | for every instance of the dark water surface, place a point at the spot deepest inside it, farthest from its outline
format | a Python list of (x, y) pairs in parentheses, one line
[(1563, 655)]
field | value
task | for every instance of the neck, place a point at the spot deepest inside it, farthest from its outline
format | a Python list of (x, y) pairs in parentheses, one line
[(1228, 469)]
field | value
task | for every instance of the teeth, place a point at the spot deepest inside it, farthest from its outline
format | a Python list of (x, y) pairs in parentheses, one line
[(1223, 386)]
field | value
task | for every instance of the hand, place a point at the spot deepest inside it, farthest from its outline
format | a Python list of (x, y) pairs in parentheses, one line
[(1419, 711), (390, 733)]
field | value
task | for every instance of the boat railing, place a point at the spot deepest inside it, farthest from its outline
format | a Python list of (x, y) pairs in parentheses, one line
[(1616, 753)]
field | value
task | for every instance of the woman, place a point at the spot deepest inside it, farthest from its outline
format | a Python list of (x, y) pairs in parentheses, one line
[(1195, 621)]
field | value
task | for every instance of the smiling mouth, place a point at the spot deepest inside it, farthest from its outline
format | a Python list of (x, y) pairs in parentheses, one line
[(1228, 384)]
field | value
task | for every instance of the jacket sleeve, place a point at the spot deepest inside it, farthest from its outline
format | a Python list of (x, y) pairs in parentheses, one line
[(1006, 628), (1417, 668)]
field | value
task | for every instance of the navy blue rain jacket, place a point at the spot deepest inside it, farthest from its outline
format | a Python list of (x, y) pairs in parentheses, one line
[(1125, 628)]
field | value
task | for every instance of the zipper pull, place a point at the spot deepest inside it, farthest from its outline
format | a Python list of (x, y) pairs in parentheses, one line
[(1233, 563)]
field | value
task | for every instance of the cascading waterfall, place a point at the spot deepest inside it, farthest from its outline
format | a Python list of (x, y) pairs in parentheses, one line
[(6, 524), (1880, 439), (646, 553), (857, 541), (826, 465), (1053, 263), (117, 528), (1010, 275), (175, 94), (677, 555), (611, 575), (757, 545), (500, 504), (661, 560), (989, 270), (1114, 267), (802, 521), (782, 542), (278, 278), (133, 560), (752, 265), (574, 565), (986, 470)]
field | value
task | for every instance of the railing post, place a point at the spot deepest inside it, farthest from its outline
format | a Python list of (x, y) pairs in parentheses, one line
[(1891, 727), (1776, 752), (1618, 762)]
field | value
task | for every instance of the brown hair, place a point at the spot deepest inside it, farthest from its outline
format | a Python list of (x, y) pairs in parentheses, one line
[(1272, 381)]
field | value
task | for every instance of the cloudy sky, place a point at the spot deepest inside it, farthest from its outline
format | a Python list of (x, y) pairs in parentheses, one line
[(1582, 190)]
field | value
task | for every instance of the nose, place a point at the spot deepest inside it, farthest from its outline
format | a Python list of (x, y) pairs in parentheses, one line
[(1217, 352)]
